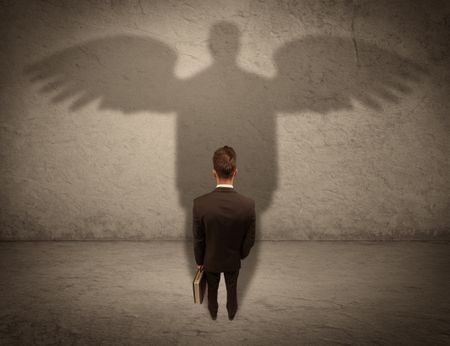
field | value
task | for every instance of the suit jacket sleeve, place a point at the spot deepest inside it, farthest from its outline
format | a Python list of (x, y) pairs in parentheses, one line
[(249, 238), (199, 237)]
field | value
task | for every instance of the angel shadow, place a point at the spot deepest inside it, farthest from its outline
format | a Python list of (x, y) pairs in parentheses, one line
[(225, 104)]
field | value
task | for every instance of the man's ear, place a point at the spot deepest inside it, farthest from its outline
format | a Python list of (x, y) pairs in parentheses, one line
[(214, 173), (235, 171)]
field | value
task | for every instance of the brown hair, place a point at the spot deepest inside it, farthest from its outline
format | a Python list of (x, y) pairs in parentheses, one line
[(224, 161)]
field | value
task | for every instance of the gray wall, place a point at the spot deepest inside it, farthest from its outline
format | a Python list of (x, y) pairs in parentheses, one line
[(338, 111)]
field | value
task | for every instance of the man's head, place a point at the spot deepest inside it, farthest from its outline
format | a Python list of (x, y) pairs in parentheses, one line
[(224, 162)]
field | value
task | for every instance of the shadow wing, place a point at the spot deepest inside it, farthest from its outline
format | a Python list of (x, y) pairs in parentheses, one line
[(323, 74), (126, 72)]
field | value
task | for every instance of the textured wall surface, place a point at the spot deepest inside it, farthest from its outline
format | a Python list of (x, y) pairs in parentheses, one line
[(111, 110)]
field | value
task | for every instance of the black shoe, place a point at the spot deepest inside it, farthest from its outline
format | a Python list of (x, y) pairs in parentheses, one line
[(213, 314), (231, 316), (231, 312)]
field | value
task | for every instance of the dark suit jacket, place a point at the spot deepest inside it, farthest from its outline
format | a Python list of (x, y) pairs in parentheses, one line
[(224, 229)]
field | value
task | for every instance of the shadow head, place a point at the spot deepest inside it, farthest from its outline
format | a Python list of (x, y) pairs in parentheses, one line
[(224, 41)]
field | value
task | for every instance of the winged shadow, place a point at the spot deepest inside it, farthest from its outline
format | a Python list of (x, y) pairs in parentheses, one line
[(224, 104)]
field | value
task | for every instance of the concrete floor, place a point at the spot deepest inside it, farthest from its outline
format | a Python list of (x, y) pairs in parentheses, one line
[(140, 293)]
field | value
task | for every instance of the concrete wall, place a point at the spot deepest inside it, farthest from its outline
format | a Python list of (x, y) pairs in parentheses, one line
[(338, 110)]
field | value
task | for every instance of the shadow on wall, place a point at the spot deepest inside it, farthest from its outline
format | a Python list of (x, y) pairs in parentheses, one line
[(225, 104)]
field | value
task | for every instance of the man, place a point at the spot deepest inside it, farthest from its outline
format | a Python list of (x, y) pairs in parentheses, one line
[(224, 230)]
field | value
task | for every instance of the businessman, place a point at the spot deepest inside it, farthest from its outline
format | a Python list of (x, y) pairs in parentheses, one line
[(224, 230)]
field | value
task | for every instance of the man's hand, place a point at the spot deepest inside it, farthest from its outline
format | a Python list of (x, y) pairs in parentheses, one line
[(201, 266)]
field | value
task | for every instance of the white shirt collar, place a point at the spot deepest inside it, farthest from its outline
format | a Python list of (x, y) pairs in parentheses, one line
[(224, 185)]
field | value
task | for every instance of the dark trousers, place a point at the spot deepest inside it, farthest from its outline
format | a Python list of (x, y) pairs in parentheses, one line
[(213, 280)]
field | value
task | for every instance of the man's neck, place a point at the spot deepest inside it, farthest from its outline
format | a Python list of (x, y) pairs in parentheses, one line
[(224, 182)]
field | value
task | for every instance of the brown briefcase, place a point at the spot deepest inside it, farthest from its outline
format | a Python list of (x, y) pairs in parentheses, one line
[(199, 286)]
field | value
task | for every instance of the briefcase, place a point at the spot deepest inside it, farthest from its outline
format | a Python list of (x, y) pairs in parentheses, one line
[(199, 286)]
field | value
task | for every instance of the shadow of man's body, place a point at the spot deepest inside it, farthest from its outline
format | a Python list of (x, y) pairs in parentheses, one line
[(224, 104)]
